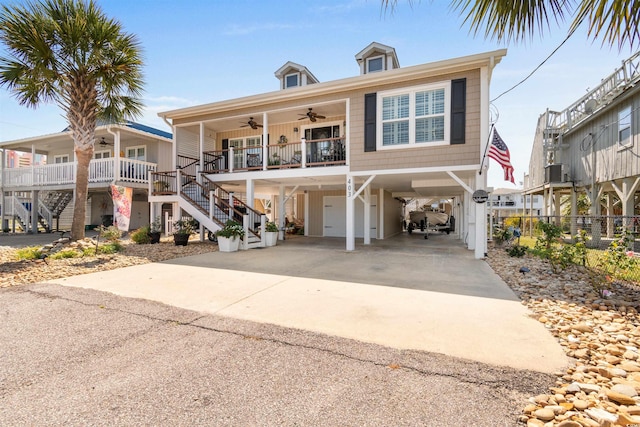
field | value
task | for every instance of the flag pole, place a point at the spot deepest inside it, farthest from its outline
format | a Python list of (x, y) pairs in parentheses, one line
[(486, 147)]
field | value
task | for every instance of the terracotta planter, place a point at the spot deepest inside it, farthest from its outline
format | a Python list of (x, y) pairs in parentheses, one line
[(271, 237), (228, 244)]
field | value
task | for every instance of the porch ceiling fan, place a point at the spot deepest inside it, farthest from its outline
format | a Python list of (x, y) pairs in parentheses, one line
[(252, 123), (103, 142), (311, 115)]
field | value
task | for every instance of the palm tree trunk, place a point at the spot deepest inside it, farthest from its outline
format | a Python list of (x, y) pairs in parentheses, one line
[(82, 185)]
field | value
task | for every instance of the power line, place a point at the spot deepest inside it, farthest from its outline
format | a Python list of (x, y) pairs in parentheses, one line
[(537, 68)]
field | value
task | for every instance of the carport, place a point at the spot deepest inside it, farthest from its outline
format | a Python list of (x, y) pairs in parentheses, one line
[(367, 205)]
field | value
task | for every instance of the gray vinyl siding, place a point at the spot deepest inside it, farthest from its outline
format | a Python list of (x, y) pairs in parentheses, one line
[(596, 142)]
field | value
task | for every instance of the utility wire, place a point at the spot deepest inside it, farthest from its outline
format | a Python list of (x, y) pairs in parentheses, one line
[(537, 68)]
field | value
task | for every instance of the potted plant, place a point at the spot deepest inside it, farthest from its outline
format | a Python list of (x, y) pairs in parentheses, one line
[(155, 230), (271, 233), (183, 229), (229, 236)]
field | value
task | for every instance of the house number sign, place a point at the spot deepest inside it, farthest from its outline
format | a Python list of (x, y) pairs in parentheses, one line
[(480, 196)]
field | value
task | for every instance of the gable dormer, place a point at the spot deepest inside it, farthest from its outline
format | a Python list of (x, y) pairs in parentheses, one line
[(377, 57), (294, 75)]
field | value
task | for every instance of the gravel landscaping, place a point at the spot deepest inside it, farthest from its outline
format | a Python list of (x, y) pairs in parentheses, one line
[(600, 335)]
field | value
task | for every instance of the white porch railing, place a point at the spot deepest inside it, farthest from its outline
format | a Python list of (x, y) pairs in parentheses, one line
[(100, 170), (17, 208)]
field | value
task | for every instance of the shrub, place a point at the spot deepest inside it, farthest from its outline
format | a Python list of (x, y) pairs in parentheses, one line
[(32, 252), (517, 251), (141, 235), (110, 248), (111, 233), (549, 246), (66, 253)]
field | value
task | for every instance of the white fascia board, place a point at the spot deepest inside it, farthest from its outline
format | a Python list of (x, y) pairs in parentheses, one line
[(348, 84), (405, 171), (36, 139)]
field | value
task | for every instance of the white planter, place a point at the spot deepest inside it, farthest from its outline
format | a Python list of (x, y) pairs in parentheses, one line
[(226, 244), (271, 237)]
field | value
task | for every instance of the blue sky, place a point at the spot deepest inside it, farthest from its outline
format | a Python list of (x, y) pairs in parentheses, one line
[(199, 51)]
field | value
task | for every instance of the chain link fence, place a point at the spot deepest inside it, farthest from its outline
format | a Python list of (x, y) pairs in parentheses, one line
[(612, 242)]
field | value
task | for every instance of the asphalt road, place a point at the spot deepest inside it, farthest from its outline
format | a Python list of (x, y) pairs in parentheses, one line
[(72, 356)]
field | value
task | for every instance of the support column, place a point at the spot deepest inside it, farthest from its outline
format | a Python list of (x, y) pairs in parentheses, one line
[(306, 213), (467, 218), (481, 221), (265, 138), (367, 215), (380, 213), (250, 193), (556, 208), (610, 222), (200, 155), (281, 212), (34, 211), (350, 190), (574, 213), (595, 211), (545, 202)]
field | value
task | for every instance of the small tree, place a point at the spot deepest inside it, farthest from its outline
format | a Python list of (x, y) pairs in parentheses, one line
[(70, 53)]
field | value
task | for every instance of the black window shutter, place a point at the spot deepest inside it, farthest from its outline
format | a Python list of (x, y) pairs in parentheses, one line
[(458, 110), (370, 100), (225, 153)]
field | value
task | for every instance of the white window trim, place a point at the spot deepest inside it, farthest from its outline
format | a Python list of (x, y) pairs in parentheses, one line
[(102, 152), (331, 124), (411, 91), (65, 158), (384, 65), (298, 76), (629, 144), (135, 147)]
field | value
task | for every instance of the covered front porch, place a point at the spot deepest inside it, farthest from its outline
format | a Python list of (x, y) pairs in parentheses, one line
[(122, 171)]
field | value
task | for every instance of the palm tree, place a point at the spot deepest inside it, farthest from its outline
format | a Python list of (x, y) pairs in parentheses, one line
[(613, 21), (70, 53)]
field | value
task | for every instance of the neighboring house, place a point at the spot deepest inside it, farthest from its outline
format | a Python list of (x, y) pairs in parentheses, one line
[(123, 155), (592, 147), (339, 154), (506, 202)]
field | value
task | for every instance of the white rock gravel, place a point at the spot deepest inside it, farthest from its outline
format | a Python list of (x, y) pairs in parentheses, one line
[(19, 272), (600, 335)]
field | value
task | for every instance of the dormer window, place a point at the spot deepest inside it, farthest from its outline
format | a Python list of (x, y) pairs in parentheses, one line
[(294, 75), (377, 57), (375, 64), (291, 80)]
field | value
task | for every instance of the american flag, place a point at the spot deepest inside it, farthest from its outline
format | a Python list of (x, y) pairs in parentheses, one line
[(500, 153)]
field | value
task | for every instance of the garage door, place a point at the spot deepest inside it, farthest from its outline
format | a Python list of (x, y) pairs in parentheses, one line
[(335, 217)]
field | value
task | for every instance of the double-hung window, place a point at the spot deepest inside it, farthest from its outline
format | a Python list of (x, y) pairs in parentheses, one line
[(414, 116), (624, 127)]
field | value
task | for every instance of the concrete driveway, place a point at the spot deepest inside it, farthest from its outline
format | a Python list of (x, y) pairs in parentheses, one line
[(406, 293), (79, 357)]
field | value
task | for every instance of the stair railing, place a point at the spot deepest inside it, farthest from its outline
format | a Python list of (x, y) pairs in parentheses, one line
[(46, 214), (255, 217), (21, 212)]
